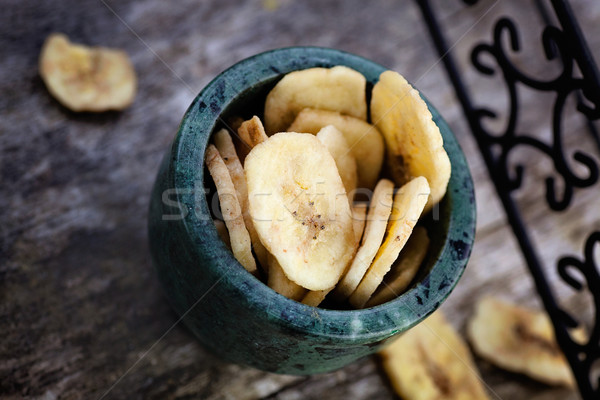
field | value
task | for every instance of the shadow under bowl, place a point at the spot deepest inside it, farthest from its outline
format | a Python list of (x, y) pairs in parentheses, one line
[(235, 315)]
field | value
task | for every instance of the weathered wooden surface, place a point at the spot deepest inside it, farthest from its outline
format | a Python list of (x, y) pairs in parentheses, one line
[(81, 311)]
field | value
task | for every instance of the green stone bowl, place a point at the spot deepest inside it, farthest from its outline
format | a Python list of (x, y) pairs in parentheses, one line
[(235, 315)]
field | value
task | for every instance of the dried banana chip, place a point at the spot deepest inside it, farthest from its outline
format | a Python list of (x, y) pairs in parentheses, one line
[(224, 145), (413, 140), (87, 78), (336, 89), (222, 232), (365, 141), (404, 270), (230, 207), (252, 132), (300, 209), (315, 297), (519, 340), (359, 218), (377, 221), (281, 283), (431, 362), (344, 160), (408, 206)]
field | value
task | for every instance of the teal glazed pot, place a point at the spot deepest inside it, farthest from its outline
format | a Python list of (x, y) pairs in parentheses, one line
[(234, 314)]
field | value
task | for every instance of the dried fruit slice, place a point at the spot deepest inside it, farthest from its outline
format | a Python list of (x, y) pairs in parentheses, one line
[(281, 283), (87, 78), (226, 148), (519, 340), (344, 160), (414, 143), (222, 232), (315, 297), (336, 89), (377, 221), (300, 209), (404, 270), (431, 362), (408, 206), (365, 141), (252, 132), (230, 208), (359, 214)]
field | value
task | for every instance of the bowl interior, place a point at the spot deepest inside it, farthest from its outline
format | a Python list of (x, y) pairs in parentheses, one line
[(241, 91)]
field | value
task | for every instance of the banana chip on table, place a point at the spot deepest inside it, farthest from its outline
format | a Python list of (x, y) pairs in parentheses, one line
[(404, 269), (87, 78), (339, 89), (377, 220), (300, 209), (414, 142), (519, 340), (344, 160), (364, 139), (431, 362), (231, 209), (408, 205)]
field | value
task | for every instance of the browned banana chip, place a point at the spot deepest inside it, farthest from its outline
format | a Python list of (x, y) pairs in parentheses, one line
[(87, 78), (335, 89), (226, 148), (519, 340), (408, 206), (299, 207), (414, 142), (364, 140), (404, 270), (377, 221), (231, 209), (431, 362)]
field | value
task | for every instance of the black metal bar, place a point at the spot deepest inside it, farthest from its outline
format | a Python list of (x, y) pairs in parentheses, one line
[(504, 188)]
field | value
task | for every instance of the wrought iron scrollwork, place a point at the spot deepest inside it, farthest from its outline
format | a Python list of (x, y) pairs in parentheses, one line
[(564, 45), (563, 85), (588, 351)]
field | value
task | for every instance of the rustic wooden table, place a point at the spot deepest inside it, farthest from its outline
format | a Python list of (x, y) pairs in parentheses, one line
[(82, 314)]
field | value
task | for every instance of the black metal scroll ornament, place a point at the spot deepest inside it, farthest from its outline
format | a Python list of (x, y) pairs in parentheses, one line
[(567, 46)]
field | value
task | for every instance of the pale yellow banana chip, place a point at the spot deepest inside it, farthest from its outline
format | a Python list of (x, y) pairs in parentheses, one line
[(404, 269), (231, 209), (315, 297), (252, 132), (408, 205), (413, 140), (279, 282), (344, 160), (226, 148), (87, 78), (365, 141), (377, 221), (359, 218), (519, 340), (336, 89), (431, 362), (300, 209)]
